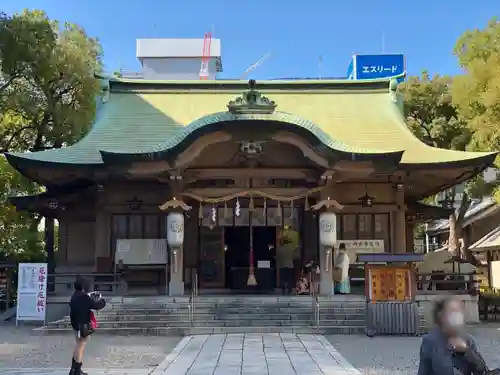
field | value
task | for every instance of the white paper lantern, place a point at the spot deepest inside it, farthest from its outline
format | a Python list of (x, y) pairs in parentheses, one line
[(327, 229), (175, 229)]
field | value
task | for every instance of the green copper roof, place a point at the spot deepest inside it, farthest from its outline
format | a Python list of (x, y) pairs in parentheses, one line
[(147, 117)]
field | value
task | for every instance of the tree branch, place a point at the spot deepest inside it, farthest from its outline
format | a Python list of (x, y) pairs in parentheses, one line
[(6, 147), (9, 82)]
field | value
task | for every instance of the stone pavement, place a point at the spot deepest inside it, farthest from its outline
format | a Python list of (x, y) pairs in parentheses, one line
[(255, 354), (60, 371), (235, 354)]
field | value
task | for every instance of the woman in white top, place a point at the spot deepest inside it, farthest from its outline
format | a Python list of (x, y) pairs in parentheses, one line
[(343, 285)]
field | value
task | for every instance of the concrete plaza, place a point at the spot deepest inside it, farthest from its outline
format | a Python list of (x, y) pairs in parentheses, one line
[(244, 354), (24, 353)]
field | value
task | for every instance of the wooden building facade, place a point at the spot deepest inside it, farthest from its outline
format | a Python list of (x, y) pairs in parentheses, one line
[(241, 161)]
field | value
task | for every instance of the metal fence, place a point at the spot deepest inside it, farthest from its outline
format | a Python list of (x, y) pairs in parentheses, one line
[(392, 318)]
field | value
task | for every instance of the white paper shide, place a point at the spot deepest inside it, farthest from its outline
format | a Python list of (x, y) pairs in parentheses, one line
[(328, 229), (175, 229)]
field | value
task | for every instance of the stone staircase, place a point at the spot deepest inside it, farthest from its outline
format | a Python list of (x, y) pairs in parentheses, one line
[(226, 314)]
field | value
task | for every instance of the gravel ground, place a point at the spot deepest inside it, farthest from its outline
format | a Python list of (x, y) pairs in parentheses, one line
[(399, 355), (23, 348)]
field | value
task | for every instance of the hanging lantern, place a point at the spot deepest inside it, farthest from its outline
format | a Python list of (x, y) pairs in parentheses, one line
[(175, 229), (135, 203), (399, 187), (328, 229), (53, 204), (447, 202), (366, 200)]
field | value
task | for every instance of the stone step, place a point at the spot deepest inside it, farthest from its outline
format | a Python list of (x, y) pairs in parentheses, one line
[(225, 316), (235, 310), (175, 331), (234, 304), (217, 323), (321, 330)]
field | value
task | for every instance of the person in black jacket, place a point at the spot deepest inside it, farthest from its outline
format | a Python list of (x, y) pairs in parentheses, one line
[(448, 348), (81, 306)]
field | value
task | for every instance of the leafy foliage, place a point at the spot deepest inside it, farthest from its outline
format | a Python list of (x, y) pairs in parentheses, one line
[(19, 230), (476, 93), (433, 118), (48, 89), (47, 99), (430, 113)]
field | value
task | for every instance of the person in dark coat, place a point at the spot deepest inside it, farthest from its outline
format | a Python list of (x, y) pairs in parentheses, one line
[(447, 348), (81, 306)]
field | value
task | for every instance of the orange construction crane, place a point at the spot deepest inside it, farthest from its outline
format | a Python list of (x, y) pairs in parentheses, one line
[(205, 58)]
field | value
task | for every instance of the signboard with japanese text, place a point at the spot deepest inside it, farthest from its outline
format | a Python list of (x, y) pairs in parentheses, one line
[(376, 66), (32, 292)]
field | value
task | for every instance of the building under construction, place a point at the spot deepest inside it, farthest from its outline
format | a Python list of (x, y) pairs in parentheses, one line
[(178, 59)]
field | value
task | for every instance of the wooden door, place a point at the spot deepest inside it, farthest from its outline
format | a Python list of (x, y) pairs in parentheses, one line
[(212, 266)]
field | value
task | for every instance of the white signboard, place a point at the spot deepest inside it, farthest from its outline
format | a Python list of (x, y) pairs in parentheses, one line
[(263, 264), (32, 292)]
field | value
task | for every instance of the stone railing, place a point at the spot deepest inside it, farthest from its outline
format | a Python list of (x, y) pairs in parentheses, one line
[(62, 283), (446, 283)]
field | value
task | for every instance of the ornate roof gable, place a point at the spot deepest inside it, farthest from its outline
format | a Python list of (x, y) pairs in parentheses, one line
[(251, 101)]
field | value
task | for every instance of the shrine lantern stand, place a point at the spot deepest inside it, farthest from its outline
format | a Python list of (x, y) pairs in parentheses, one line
[(390, 288)]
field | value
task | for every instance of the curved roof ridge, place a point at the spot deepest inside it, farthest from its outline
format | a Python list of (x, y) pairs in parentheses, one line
[(263, 82), (439, 155), (278, 116)]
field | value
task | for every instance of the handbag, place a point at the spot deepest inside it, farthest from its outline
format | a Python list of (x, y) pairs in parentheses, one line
[(93, 320)]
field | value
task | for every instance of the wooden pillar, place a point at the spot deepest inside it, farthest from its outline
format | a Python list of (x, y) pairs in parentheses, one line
[(399, 222), (49, 249), (101, 230), (410, 242), (489, 259)]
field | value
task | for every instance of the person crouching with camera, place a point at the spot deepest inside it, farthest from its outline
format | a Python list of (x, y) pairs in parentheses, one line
[(82, 320)]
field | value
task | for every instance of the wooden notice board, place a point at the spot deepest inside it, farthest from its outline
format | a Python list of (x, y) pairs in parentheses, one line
[(389, 283)]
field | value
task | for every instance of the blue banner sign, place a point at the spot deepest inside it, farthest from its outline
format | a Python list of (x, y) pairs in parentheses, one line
[(376, 66)]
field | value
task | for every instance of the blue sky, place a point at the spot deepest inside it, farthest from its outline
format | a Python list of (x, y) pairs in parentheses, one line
[(295, 32)]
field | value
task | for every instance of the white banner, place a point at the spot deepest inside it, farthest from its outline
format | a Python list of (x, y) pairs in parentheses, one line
[(32, 292)]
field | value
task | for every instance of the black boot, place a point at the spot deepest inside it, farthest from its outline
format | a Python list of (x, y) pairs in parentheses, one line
[(72, 369), (78, 369)]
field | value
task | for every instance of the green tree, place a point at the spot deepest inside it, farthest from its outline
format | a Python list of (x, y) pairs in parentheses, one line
[(48, 89), (432, 117), (476, 92), (48, 95)]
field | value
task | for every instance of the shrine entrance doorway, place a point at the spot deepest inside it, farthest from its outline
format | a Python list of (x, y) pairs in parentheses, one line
[(225, 243), (239, 261)]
